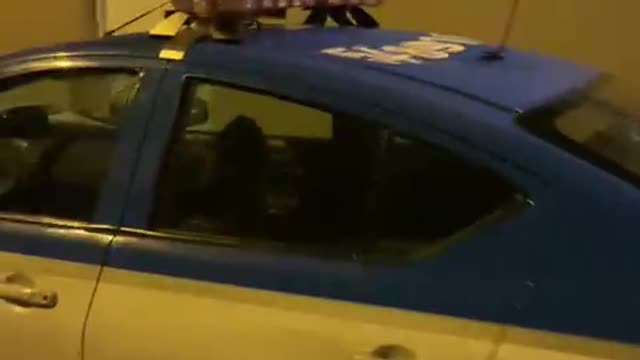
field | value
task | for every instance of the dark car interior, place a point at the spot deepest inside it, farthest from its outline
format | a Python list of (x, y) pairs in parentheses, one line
[(56, 168), (364, 182)]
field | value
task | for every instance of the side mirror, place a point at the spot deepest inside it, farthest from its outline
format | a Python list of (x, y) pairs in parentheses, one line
[(24, 122), (199, 113)]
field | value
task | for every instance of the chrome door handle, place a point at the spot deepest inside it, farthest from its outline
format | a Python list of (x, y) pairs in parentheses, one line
[(388, 352), (18, 289)]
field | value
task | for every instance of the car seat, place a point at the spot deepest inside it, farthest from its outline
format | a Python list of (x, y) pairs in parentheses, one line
[(337, 180), (24, 132), (238, 193)]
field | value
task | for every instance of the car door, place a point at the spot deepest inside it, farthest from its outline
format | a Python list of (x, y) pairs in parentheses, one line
[(69, 131), (244, 237)]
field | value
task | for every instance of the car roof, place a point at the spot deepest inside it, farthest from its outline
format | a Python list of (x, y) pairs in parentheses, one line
[(131, 45), (521, 81)]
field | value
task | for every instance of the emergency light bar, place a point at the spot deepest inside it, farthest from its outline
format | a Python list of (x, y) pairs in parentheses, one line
[(212, 8), (231, 20)]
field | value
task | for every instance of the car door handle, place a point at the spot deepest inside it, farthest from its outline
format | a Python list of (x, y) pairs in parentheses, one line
[(388, 352), (19, 290)]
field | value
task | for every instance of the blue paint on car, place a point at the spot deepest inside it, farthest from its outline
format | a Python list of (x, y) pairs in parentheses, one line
[(567, 264)]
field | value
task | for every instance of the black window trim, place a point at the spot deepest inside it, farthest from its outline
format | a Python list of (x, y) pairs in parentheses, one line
[(54, 222), (71, 63)]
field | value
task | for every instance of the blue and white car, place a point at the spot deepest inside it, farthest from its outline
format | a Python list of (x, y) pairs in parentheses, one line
[(314, 193)]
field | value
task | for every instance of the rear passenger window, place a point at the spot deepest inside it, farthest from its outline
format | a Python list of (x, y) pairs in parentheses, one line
[(254, 167)]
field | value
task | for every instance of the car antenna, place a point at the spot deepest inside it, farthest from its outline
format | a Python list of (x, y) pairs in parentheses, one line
[(498, 52), (136, 18)]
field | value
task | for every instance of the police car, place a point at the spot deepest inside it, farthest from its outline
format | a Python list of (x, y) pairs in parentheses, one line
[(229, 189)]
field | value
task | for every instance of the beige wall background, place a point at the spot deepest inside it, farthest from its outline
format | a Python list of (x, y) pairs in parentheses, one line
[(27, 23), (596, 32)]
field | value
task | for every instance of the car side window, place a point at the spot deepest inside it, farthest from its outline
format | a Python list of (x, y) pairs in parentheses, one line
[(57, 138), (258, 167)]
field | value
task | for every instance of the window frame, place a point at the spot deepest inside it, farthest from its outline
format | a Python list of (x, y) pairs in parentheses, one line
[(111, 197), (513, 207)]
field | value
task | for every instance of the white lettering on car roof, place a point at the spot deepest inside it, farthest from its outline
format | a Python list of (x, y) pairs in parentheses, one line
[(425, 48)]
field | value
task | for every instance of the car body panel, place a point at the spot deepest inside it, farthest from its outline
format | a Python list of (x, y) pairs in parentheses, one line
[(560, 273), (245, 322), (274, 324), (465, 73), (50, 333), (130, 47), (501, 275), (62, 256)]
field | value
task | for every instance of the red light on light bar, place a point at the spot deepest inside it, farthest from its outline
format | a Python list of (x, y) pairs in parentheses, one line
[(209, 8)]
